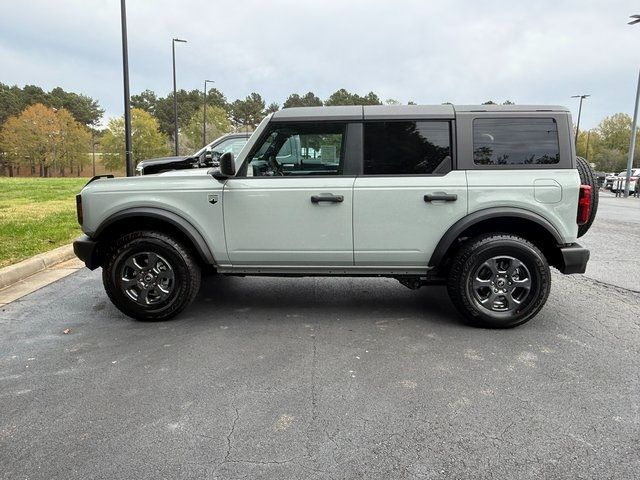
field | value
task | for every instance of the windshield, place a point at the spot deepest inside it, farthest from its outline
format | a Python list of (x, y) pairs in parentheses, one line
[(224, 145)]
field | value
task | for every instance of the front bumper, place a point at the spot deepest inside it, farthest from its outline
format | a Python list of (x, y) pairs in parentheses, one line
[(573, 259), (87, 251)]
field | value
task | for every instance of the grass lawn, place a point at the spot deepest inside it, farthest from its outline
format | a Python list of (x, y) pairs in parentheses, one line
[(36, 215)]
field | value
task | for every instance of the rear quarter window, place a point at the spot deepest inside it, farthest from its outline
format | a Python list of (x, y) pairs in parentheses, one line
[(515, 141)]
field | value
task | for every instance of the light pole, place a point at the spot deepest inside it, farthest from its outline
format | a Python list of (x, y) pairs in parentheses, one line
[(581, 97), (586, 153), (127, 105), (634, 125), (204, 120), (175, 98), (93, 150)]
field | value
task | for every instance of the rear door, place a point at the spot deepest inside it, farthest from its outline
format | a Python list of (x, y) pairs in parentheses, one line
[(408, 195), (291, 204)]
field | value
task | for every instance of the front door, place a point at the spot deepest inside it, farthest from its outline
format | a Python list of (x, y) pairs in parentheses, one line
[(290, 205)]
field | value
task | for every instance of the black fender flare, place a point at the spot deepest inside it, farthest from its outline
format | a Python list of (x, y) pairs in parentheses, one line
[(184, 226), (488, 214)]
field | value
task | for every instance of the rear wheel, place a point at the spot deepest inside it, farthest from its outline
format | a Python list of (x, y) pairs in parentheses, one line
[(588, 177), (499, 281), (150, 276)]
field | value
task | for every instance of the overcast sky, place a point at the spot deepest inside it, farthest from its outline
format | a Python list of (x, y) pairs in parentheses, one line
[(465, 51)]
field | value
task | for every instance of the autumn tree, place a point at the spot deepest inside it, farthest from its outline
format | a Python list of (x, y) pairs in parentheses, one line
[(148, 141), (588, 139), (44, 139), (74, 142)]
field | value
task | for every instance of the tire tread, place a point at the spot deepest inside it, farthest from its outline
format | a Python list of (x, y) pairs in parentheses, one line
[(192, 270)]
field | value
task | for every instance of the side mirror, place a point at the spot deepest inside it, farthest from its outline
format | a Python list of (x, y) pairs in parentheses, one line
[(227, 167)]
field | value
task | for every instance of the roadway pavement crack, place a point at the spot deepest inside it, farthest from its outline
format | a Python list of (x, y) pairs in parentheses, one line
[(233, 427)]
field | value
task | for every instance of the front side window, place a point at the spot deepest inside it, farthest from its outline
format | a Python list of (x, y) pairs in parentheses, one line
[(299, 149), (515, 141), (407, 148)]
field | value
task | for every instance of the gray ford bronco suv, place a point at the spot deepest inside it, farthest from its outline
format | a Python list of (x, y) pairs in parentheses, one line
[(482, 199)]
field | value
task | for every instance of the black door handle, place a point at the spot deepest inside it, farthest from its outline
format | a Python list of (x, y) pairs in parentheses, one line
[(327, 197), (442, 197)]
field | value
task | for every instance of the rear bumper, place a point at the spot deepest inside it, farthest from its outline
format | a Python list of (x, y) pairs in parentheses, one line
[(87, 251), (573, 259)]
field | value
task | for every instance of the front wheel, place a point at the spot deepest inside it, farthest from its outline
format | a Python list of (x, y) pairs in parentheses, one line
[(150, 275), (499, 281)]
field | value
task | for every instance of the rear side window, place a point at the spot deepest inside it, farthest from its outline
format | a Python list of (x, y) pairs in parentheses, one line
[(407, 148), (515, 141)]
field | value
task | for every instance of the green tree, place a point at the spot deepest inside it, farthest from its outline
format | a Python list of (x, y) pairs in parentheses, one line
[(309, 99), (148, 141), (14, 100), (215, 98), (84, 109), (189, 103), (249, 112), (217, 124), (615, 132), (11, 103), (272, 108), (146, 100), (343, 97)]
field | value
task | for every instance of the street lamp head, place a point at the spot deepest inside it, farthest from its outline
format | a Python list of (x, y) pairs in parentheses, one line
[(636, 19), (580, 96), (210, 81), (179, 40)]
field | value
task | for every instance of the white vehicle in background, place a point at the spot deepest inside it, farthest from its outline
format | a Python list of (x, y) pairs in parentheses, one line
[(620, 181), (609, 180)]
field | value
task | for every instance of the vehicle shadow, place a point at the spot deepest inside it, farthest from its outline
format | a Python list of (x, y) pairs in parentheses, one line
[(271, 297)]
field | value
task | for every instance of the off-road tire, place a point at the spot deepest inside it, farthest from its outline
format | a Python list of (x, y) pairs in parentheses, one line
[(185, 270), (473, 254), (588, 177)]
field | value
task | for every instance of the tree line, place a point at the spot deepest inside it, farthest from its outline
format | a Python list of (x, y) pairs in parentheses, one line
[(53, 133)]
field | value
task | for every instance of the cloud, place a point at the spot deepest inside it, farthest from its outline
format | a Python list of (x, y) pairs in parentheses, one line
[(424, 51)]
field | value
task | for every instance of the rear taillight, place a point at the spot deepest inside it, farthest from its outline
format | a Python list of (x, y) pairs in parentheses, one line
[(584, 204), (79, 208)]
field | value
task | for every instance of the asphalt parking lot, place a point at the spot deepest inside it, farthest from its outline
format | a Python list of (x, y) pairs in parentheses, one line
[(329, 378)]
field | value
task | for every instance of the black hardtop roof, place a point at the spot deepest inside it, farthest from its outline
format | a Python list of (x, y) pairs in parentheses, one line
[(381, 112)]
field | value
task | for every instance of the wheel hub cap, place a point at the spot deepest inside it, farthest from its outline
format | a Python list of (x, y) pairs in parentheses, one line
[(147, 278), (501, 284)]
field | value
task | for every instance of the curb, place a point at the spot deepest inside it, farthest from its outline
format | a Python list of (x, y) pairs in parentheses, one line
[(14, 273)]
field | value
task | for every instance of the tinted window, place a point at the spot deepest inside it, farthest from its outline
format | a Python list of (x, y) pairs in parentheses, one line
[(299, 149), (515, 141), (406, 148)]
